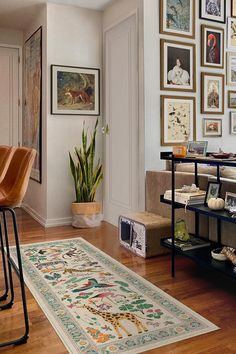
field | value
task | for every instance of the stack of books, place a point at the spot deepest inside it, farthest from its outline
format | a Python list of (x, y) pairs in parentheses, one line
[(192, 243), (188, 198)]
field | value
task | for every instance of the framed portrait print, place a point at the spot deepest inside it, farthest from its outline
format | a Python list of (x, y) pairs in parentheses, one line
[(178, 120), (212, 101), (32, 110), (212, 127), (233, 8), (213, 191), (233, 123), (212, 47), (231, 99), (230, 200), (231, 33), (231, 69), (177, 66), (177, 18), (213, 10), (75, 90)]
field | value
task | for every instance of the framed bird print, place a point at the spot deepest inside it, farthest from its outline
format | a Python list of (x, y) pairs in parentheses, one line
[(212, 93), (212, 47), (177, 18), (213, 10)]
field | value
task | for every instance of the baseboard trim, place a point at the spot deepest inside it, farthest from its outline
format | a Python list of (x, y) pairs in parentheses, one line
[(46, 222)]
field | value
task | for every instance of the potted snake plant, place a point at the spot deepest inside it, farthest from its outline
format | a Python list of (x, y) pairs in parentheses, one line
[(87, 176)]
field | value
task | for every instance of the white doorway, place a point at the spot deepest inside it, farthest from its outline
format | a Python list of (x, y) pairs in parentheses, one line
[(9, 96), (121, 180)]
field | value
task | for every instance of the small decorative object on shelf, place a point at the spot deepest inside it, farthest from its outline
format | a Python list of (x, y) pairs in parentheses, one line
[(180, 151), (216, 203), (229, 252), (181, 232), (218, 255)]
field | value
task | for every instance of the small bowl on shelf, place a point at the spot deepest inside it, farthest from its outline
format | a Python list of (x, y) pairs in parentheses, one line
[(218, 255)]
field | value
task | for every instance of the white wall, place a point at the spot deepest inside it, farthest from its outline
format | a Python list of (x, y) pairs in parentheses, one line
[(152, 86), (75, 39), (11, 37)]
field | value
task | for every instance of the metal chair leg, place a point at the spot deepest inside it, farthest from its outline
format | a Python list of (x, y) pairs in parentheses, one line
[(4, 296)]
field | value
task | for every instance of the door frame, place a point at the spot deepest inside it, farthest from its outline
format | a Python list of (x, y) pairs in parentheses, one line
[(140, 100), (20, 87)]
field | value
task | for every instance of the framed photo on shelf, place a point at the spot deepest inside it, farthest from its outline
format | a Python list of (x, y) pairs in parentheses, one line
[(75, 90), (213, 191), (197, 148), (177, 19), (230, 200), (212, 100), (178, 69), (212, 127), (233, 8), (213, 10), (212, 47), (231, 40), (233, 123), (32, 108), (178, 120), (231, 69), (231, 99)]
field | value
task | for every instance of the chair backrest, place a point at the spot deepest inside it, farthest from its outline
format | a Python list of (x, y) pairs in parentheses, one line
[(16, 180), (6, 153)]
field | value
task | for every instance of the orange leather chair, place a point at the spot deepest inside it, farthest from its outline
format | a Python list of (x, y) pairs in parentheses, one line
[(12, 190), (6, 153)]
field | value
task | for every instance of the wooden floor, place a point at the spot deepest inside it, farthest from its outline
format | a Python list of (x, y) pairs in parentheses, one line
[(208, 294)]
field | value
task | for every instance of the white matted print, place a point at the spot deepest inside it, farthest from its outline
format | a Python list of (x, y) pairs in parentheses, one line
[(212, 127), (212, 93), (178, 118), (231, 33), (213, 10), (233, 123), (231, 69), (177, 66), (212, 46)]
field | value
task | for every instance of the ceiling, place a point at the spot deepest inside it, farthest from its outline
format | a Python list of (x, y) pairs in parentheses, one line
[(18, 14)]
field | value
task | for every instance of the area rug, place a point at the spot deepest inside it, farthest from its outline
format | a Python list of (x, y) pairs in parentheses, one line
[(97, 305)]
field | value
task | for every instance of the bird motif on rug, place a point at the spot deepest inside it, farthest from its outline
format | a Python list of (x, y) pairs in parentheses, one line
[(92, 283)]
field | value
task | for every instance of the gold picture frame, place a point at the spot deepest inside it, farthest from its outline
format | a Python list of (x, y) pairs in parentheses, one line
[(212, 52), (212, 127), (178, 66), (178, 119), (230, 98), (212, 90), (233, 8), (179, 23)]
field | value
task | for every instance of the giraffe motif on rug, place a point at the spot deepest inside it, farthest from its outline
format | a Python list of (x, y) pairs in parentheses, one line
[(115, 318)]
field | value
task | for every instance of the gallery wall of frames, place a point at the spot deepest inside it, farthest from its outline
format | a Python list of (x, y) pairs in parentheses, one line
[(197, 67)]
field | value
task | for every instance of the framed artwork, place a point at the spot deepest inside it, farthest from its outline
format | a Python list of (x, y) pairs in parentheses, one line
[(177, 18), (213, 191), (178, 120), (212, 127), (230, 200), (178, 66), (75, 90), (233, 8), (231, 99), (233, 123), (213, 10), (231, 68), (197, 148), (32, 110), (212, 101), (231, 33), (212, 47)]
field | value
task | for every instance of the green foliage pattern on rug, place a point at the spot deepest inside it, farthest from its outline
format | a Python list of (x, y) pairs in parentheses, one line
[(96, 305)]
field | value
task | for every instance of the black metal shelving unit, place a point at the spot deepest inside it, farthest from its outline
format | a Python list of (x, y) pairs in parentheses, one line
[(201, 255)]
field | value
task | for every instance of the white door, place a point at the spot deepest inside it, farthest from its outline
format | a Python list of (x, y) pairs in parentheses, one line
[(9, 96), (121, 113)]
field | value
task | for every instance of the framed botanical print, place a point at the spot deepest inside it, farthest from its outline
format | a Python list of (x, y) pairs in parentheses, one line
[(231, 69), (75, 90), (231, 99), (212, 47), (178, 66), (32, 114), (212, 127), (233, 123), (231, 33), (178, 120), (233, 8), (177, 18), (213, 10), (212, 101)]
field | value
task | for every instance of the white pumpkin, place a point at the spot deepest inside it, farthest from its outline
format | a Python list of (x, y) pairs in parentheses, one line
[(216, 203)]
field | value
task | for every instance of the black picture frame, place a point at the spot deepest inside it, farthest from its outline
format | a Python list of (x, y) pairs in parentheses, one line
[(210, 183), (210, 19), (75, 94)]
